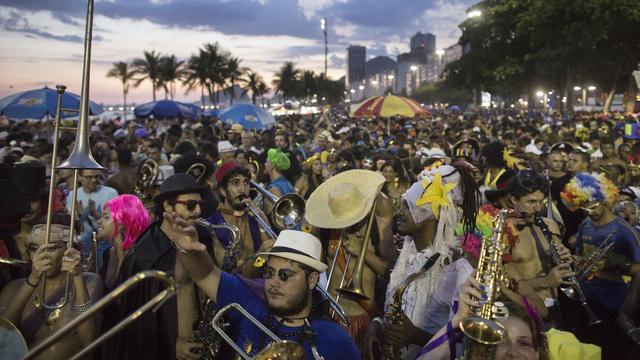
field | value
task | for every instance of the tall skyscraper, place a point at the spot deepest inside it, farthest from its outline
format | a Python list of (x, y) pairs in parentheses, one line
[(423, 43), (356, 60)]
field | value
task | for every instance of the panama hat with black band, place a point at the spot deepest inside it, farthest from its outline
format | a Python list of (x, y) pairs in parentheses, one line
[(298, 246)]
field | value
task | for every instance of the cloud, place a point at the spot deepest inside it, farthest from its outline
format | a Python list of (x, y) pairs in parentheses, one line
[(14, 22)]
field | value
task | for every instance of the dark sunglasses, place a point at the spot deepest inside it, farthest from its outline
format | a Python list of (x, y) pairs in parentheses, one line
[(191, 204), (283, 274)]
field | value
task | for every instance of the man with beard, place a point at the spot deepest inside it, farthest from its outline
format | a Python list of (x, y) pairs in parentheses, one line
[(604, 288), (173, 322), (286, 303), (233, 186), (577, 162)]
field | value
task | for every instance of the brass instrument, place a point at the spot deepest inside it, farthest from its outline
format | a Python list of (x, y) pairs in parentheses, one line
[(585, 269), (198, 171), (573, 291), (281, 349), (288, 209), (79, 159), (145, 180), (231, 251), (12, 343), (92, 260), (354, 289), (152, 304), (14, 262), (482, 332)]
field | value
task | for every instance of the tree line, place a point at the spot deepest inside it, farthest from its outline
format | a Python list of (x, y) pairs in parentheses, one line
[(519, 47), (213, 70)]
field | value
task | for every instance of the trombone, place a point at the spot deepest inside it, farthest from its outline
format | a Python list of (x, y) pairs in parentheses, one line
[(281, 349), (80, 157), (288, 209), (154, 303)]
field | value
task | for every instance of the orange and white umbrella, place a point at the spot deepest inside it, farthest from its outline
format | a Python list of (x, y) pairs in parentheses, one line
[(389, 105)]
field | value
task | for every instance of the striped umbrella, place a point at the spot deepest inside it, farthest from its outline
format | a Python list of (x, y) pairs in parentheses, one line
[(389, 105)]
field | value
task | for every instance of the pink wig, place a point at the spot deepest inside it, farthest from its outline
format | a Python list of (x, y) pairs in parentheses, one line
[(129, 214)]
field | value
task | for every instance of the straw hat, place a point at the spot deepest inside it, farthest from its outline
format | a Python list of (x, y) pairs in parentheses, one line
[(344, 199), (298, 246)]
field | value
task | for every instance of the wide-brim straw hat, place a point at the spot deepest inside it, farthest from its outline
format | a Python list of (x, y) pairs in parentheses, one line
[(344, 199), (298, 246)]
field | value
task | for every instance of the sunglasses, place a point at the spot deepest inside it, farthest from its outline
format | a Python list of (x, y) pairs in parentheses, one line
[(191, 204), (283, 274), (590, 209)]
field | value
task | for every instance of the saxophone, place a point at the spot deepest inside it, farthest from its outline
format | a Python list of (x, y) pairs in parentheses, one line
[(395, 313), (482, 332), (204, 332)]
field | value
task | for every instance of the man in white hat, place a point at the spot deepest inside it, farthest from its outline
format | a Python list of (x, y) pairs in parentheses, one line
[(287, 303), (226, 151), (340, 208)]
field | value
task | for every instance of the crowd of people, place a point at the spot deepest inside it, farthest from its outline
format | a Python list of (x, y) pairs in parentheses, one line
[(386, 258)]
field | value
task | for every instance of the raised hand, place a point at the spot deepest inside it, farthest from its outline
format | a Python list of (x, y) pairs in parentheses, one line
[(183, 234), (41, 262), (470, 297)]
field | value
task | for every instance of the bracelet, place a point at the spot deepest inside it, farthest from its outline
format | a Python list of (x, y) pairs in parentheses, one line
[(30, 284), (79, 309), (181, 250)]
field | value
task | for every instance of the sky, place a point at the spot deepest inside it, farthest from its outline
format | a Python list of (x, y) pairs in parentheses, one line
[(41, 41)]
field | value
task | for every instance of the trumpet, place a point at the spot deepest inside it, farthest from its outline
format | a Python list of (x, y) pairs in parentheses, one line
[(280, 349), (590, 262), (574, 290), (79, 159), (483, 333), (152, 304)]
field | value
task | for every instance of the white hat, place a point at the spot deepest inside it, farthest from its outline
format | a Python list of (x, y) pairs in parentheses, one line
[(344, 199), (298, 246), (164, 172), (225, 146), (532, 149)]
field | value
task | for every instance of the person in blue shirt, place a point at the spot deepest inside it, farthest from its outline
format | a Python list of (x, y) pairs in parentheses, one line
[(286, 302), (604, 286)]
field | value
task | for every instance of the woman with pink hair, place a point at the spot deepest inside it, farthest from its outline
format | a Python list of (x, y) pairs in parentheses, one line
[(123, 220)]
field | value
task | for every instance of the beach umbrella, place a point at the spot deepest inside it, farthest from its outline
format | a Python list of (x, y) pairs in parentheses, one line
[(389, 105), (249, 116), (38, 103), (167, 109), (213, 112)]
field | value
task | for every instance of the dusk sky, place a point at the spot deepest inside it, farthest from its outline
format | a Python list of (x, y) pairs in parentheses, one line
[(41, 40)]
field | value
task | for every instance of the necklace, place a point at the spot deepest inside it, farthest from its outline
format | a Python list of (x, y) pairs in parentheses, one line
[(54, 314)]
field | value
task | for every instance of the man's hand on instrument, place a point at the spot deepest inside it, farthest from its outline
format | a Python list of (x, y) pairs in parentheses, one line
[(183, 234), (470, 296), (41, 262), (71, 262), (401, 334), (565, 254), (186, 350), (558, 274), (352, 244)]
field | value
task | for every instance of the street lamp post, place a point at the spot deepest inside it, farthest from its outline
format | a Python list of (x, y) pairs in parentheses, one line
[(413, 69), (390, 77), (323, 26), (439, 52)]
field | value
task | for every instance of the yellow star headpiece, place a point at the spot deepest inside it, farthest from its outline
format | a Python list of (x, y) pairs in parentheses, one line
[(436, 194), (512, 162)]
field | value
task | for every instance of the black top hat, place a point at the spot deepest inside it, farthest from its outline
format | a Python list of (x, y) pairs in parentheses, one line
[(176, 185), (30, 178), (502, 183), (13, 202)]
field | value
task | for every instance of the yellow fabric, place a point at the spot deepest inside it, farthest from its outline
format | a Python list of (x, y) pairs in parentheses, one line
[(395, 106), (489, 182), (512, 162), (564, 346)]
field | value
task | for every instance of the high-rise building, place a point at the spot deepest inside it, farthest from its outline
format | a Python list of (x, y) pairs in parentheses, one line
[(423, 43), (356, 60)]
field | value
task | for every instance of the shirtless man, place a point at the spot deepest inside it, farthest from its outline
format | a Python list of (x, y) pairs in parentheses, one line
[(531, 261), (233, 185), (341, 207), (20, 300), (609, 157)]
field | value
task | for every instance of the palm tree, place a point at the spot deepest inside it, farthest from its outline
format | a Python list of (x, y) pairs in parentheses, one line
[(285, 80), (308, 83), (216, 60), (171, 70), (253, 83), (196, 74), (262, 89), (124, 72), (233, 73), (149, 68)]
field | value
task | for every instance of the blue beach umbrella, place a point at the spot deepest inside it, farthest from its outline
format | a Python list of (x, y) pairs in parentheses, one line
[(167, 109), (38, 103), (249, 116)]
